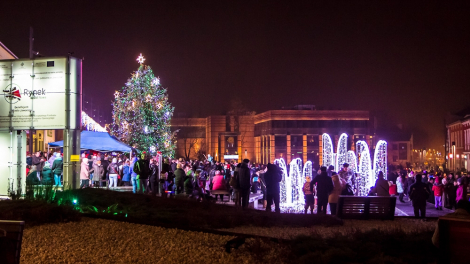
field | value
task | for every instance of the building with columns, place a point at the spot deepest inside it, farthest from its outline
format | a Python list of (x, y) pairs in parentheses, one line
[(287, 133)]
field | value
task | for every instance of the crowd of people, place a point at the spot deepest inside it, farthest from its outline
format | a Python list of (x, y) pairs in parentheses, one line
[(209, 179)]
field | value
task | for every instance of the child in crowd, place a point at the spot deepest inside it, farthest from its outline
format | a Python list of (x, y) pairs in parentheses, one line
[(309, 195), (438, 189)]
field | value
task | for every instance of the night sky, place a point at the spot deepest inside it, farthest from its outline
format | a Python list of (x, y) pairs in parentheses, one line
[(409, 63)]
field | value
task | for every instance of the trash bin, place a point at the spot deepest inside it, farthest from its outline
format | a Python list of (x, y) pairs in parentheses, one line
[(11, 235)]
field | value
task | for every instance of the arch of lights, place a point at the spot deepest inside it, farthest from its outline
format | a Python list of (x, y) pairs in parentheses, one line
[(360, 163)]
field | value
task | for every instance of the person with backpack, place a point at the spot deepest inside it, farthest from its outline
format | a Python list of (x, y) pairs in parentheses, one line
[(309, 195), (419, 193), (142, 169)]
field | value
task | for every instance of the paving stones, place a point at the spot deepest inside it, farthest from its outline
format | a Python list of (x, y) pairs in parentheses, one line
[(105, 241)]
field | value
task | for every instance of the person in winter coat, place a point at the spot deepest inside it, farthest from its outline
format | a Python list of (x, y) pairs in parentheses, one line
[(450, 192), (324, 188), (218, 184), (38, 161), (419, 194), (32, 178), (331, 170), (153, 179), (142, 168), (234, 185), (438, 190), (179, 179), (126, 173), (244, 182), (189, 184), (273, 177), (84, 173), (308, 195), (461, 189), (381, 185), (98, 171), (47, 178), (333, 198), (346, 174), (133, 175), (113, 171), (105, 163), (57, 168), (401, 187)]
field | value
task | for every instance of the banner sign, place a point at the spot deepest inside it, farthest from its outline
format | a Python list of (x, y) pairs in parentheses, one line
[(33, 93)]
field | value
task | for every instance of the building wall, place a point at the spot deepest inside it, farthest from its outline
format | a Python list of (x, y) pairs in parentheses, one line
[(456, 157)]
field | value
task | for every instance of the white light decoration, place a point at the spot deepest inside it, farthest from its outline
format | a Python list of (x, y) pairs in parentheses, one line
[(366, 177), (341, 152), (116, 94), (352, 161), (297, 181), (153, 149), (140, 59), (156, 81), (91, 125), (327, 145), (307, 171), (380, 158), (285, 182)]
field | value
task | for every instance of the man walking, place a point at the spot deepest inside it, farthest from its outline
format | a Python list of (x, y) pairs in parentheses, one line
[(324, 187), (419, 193), (142, 168), (272, 178), (244, 182)]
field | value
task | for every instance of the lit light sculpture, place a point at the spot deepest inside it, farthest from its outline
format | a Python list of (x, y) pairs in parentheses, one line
[(352, 161), (297, 181), (365, 174), (327, 154), (380, 158), (286, 185), (307, 171), (341, 152)]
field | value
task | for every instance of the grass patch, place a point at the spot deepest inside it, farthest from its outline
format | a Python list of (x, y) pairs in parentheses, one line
[(373, 246), (181, 212)]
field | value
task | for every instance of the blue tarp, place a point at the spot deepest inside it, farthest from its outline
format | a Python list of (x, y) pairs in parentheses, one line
[(98, 141)]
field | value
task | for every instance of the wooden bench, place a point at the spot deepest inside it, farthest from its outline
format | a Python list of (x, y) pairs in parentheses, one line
[(254, 197), (224, 192), (453, 239), (366, 207)]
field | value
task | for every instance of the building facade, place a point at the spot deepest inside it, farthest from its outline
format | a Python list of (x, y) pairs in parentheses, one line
[(264, 137), (458, 142)]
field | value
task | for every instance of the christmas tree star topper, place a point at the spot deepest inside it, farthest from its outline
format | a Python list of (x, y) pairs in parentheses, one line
[(140, 59)]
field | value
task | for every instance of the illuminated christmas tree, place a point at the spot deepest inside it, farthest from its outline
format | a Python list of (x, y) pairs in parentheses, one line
[(142, 113)]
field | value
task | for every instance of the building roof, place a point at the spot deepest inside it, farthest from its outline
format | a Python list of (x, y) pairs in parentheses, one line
[(5, 53)]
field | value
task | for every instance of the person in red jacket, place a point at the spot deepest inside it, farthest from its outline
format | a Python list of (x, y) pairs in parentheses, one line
[(218, 183), (438, 189)]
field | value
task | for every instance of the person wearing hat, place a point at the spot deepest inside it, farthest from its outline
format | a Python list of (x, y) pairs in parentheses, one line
[(324, 187)]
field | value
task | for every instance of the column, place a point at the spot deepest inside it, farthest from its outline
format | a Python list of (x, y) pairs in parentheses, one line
[(304, 148), (289, 150), (222, 148), (271, 148), (239, 147)]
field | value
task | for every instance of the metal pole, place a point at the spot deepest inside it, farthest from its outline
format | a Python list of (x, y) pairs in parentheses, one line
[(31, 56)]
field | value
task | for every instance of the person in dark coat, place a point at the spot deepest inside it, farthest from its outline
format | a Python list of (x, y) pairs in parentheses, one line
[(142, 168), (324, 187), (244, 182), (273, 177), (57, 168), (419, 194), (47, 177), (153, 179), (105, 163), (179, 179)]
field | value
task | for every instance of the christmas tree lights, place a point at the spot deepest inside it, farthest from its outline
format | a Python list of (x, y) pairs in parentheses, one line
[(142, 112)]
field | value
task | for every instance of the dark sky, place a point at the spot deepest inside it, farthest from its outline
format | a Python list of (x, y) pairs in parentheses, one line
[(410, 62)]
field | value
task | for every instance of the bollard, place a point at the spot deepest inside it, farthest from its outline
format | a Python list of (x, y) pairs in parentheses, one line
[(11, 236)]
